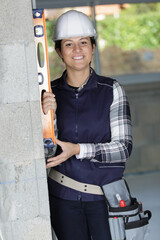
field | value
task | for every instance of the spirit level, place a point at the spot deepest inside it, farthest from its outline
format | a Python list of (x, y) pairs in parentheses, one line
[(43, 77)]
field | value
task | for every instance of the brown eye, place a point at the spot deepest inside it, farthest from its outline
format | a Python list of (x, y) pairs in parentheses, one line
[(84, 42), (68, 44)]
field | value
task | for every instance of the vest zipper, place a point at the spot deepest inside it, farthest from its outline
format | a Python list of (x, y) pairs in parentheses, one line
[(76, 126)]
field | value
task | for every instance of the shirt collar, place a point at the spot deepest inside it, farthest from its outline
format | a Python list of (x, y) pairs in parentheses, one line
[(91, 82), (81, 87)]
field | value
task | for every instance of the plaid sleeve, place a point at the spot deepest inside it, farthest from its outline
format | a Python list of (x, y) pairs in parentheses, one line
[(120, 147)]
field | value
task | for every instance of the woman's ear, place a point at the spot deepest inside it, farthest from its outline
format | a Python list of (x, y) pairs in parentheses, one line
[(59, 54)]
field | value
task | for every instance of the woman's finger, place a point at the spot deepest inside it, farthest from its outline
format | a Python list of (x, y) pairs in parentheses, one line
[(48, 94)]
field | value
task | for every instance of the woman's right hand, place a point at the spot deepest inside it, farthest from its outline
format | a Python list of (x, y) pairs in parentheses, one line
[(49, 102)]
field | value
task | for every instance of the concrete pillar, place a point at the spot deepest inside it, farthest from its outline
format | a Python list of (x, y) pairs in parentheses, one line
[(24, 208)]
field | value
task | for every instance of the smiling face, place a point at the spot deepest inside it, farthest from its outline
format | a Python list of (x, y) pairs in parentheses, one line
[(77, 53)]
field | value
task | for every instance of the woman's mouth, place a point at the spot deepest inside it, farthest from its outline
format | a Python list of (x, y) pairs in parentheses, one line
[(78, 57)]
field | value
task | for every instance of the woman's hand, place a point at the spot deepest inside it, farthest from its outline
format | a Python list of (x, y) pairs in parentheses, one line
[(68, 150), (49, 102)]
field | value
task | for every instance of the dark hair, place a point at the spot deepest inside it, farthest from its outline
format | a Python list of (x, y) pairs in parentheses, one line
[(93, 41), (58, 43)]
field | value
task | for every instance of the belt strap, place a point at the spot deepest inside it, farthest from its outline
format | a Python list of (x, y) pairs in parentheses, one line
[(71, 183)]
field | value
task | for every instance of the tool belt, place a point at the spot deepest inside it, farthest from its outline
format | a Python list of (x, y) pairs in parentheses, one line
[(71, 183)]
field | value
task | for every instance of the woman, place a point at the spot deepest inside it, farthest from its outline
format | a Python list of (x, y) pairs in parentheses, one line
[(94, 134)]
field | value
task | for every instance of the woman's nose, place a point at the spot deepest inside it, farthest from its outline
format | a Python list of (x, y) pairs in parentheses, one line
[(77, 47)]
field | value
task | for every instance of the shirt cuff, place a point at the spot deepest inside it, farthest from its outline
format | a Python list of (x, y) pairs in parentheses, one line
[(86, 151), (82, 151)]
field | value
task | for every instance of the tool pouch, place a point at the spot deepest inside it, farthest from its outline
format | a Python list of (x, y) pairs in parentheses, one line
[(126, 223)]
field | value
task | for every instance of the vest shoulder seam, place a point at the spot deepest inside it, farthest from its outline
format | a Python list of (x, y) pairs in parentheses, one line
[(105, 84)]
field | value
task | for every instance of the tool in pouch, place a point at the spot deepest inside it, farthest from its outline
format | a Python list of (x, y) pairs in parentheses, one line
[(127, 221), (44, 79)]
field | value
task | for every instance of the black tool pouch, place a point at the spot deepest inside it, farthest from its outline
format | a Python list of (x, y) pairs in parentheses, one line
[(126, 223)]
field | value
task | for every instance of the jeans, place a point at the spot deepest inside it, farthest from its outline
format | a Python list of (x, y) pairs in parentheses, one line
[(77, 220)]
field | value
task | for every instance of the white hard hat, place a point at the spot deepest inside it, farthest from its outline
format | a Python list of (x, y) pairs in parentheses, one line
[(73, 24)]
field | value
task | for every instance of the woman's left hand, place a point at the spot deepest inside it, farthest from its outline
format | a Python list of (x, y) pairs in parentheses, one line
[(68, 150)]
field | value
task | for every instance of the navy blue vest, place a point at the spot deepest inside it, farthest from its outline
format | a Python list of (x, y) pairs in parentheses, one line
[(84, 117)]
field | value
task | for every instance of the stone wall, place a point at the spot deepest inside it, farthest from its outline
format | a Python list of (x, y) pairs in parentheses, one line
[(24, 206)]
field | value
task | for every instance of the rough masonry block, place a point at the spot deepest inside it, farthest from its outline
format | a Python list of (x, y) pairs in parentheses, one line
[(35, 229), (6, 230), (16, 132), (37, 135), (16, 21), (42, 189), (18, 191), (19, 82)]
